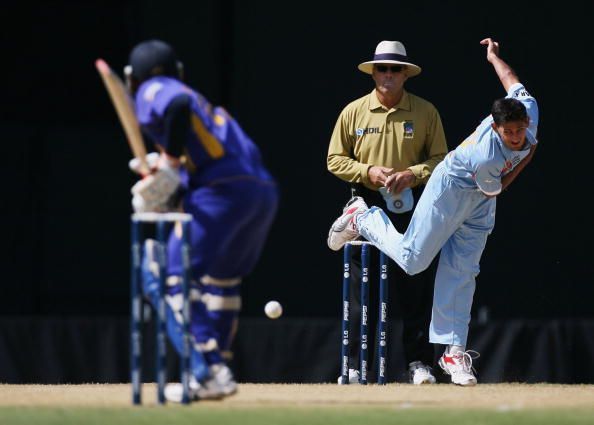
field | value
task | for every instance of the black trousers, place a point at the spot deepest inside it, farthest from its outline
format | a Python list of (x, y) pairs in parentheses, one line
[(410, 299)]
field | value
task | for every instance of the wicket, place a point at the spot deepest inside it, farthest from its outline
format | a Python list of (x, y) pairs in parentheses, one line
[(161, 220), (382, 314)]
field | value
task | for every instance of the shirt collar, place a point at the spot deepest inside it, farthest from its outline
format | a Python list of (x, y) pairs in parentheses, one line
[(404, 103)]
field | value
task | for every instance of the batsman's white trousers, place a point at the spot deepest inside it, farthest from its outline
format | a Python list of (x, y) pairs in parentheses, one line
[(447, 217)]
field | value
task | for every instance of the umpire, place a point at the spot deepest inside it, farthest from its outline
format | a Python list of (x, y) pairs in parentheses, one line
[(390, 131)]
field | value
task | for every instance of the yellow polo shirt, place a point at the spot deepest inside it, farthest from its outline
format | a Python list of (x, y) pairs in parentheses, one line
[(409, 135)]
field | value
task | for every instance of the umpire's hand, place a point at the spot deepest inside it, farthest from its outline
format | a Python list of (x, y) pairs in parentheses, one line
[(378, 175), (399, 181)]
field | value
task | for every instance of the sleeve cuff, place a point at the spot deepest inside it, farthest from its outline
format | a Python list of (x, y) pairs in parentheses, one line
[(514, 87), (489, 189), (420, 173), (363, 168)]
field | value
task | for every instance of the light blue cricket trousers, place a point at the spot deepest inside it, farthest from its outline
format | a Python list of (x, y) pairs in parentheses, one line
[(447, 217)]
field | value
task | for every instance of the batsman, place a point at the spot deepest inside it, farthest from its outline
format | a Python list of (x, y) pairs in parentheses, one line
[(204, 164)]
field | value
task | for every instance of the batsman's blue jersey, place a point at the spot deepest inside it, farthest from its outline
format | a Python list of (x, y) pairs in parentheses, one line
[(482, 159), (231, 195), (217, 146)]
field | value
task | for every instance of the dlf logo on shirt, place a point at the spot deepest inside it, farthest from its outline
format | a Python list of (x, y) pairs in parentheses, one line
[(368, 130)]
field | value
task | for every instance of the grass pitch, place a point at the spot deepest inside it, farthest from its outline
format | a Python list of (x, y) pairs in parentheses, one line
[(304, 404)]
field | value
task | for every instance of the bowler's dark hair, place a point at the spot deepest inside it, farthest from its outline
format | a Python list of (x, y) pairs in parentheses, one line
[(507, 110)]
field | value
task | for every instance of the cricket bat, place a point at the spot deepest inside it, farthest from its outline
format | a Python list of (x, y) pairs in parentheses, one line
[(123, 106)]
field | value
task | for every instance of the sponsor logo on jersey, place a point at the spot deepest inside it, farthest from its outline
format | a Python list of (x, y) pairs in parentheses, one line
[(368, 130), (521, 93), (511, 163)]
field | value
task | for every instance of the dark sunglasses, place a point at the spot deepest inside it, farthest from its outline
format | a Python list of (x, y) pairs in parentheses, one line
[(393, 68)]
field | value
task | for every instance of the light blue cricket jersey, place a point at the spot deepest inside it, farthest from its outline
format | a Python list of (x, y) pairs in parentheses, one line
[(482, 159)]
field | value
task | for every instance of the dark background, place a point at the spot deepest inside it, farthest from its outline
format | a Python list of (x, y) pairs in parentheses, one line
[(285, 71)]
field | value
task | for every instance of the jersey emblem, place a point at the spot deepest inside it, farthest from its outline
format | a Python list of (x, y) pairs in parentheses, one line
[(151, 91), (409, 129)]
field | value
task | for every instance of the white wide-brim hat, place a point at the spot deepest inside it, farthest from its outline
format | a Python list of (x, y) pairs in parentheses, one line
[(390, 52)]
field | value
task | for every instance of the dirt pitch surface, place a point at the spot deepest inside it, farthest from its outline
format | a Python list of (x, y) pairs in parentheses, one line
[(496, 396)]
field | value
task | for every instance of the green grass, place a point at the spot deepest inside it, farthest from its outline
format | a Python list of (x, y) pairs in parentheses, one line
[(203, 415)]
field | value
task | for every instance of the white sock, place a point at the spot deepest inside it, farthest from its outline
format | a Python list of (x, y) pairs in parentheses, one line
[(453, 349)]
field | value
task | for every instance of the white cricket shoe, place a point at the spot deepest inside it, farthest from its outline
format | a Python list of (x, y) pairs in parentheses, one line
[(459, 367), (344, 228), (353, 377), (420, 373), (174, 392), (220, 385)]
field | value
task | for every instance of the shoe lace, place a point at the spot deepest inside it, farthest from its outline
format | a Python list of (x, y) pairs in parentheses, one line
[(466, 359)]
